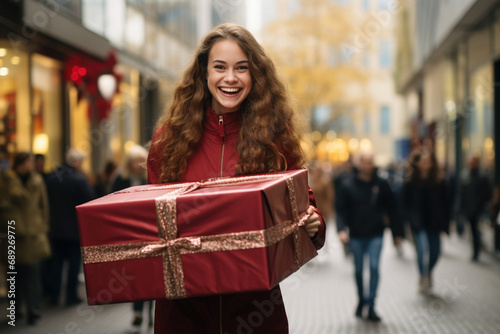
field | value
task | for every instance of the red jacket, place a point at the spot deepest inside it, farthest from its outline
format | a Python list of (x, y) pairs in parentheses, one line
[(252, 312)]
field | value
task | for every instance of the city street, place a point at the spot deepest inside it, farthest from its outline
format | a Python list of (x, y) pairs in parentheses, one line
[(320, 298)]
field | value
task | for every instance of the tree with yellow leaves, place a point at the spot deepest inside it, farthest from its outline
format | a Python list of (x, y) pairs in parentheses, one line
[(308, 47)]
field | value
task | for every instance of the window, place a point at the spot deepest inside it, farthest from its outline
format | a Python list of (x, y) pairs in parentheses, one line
[(115, 21), (384, 120), (93, 15), (135, 30), (46, 107), (386, 53)]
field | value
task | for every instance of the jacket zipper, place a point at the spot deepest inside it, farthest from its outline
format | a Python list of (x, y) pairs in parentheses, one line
[(222, 134), (220, 313)]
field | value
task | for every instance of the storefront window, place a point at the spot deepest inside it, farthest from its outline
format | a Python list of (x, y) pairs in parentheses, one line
[(47, 109), (125, 114), (479, 122), (450, 117), (15, 120)]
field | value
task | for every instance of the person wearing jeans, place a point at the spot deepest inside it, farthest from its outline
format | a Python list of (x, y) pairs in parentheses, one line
[(363, 201), (474, 195), (428, 246), (372, 247), (425, 207)]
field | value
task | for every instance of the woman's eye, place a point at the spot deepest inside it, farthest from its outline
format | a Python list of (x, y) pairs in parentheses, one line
[(219, 67), (242, 68)]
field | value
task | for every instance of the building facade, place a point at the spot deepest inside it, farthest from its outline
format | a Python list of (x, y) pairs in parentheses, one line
[(448, 62), (348, 49), (54, 55)]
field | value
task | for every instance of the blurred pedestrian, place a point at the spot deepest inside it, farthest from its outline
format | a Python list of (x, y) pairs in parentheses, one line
[(40, 165), (394, 175), (322, 186), (134, 174), (67, 188), (475, 193), (28, 208), (104, 180), (363, 201), (230, 116), (45, 265), (345, 171), (425, 207)]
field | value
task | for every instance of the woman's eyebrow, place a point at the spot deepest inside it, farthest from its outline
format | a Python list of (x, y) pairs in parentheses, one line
[(223, 62)]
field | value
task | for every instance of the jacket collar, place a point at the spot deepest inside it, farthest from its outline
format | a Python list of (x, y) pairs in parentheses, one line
[(222, 125)]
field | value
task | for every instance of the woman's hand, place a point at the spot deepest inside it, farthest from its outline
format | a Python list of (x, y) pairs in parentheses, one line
[(312, 223)]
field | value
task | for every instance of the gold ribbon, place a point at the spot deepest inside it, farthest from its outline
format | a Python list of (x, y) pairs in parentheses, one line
[(171, 248)]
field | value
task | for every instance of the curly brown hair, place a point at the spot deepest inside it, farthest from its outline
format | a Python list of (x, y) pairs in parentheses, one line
[(414, 176), (268, 125)]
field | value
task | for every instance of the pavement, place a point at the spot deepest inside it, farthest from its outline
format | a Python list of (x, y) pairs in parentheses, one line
[(321, 298)]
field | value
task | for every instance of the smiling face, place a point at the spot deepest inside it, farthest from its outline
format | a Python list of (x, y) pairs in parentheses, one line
[(228, 76)]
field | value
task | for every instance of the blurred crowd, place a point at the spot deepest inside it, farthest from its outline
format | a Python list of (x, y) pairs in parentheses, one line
[(48, 256), (418, 199)]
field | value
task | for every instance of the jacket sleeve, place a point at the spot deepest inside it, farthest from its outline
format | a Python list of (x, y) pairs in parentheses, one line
[(405, 203), (319, 238), (44, 206), (487, 192), (445, 197), (393, 211), (85, 191), (342, 206)]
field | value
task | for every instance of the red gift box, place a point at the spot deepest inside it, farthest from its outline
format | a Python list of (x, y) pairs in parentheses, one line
[(193, 239)]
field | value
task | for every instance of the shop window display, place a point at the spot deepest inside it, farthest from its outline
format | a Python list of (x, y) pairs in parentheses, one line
[(14, 104)]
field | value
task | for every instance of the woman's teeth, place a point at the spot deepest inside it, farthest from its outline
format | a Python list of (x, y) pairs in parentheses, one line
[(230, 90)]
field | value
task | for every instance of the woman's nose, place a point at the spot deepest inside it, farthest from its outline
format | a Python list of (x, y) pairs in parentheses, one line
[(230, 76)]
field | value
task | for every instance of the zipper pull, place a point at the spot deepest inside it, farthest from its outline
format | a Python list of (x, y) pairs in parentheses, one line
[(221, 126)]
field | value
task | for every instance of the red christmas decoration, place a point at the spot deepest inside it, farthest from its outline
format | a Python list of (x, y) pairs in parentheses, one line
[(84, 72)]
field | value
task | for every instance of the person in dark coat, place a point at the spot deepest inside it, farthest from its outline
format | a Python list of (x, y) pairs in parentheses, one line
[(27, 213), (67, 187), (345, 172), (133, 173), (230, 116), (475, 193), (363, 201), (105, 179), (426, 208)]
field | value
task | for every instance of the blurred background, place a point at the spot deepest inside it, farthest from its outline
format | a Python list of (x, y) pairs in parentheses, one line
[(377, 74), (367, 75)]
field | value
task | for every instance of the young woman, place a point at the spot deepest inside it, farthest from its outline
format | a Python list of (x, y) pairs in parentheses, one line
[(230, 116), (425, 205)]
